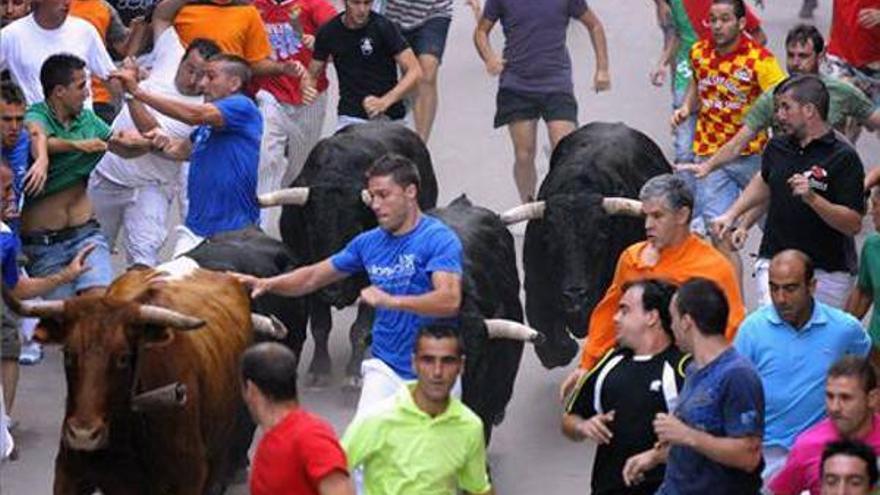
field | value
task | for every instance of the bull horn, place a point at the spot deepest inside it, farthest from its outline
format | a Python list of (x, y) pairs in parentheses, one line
[(164, 317), (366, 197), (622, 206), (521, 213), (268, 325), (509, 329), (298, 196), (170, 396), (39, 309)]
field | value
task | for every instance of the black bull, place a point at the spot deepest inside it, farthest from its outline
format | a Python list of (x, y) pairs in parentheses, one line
[(569, 254), (335, 213), (490, 289)]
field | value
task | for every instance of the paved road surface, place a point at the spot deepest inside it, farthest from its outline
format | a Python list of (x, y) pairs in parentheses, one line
[(528, 454)]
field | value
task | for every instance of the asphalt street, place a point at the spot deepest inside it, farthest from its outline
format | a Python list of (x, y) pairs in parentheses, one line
[(528, 454)]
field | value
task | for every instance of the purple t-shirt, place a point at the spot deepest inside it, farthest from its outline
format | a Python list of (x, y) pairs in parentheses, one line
[(536, 57), (801, 470)]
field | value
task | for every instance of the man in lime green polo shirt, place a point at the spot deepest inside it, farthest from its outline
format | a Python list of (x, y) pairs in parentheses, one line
[(422, 440)]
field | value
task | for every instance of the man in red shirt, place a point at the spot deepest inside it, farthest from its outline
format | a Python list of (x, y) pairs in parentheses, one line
[(853, 52), (299, 454), (291, 128)]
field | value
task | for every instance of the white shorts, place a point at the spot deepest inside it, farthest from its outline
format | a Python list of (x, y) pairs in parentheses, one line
[(832, 288), (381, 382)]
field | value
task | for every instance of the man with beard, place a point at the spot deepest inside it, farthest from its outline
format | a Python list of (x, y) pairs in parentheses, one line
[(413, 262), (792, 343), (811, 182), (851, 396)]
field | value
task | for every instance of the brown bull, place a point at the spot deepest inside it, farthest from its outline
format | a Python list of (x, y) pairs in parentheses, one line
[(127, 342)]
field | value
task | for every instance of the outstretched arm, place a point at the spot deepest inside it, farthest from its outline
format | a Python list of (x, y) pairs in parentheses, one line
[(299, 282)]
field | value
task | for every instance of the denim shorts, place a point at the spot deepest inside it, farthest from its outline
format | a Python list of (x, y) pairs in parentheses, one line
[(430, 37), (683, 133), (47, 258), (717, 192), (513, 106)]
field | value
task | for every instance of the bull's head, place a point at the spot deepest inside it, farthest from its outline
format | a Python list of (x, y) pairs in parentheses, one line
[(575, 232), (100, 339), (333, 215)]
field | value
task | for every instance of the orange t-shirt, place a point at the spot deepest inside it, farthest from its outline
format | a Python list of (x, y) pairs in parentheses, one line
[(97, 14), (237, 29), (727, 85), (692, 258)]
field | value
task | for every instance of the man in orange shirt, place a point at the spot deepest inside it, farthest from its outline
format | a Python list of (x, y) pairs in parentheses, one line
[(236, 27), (671, 252)]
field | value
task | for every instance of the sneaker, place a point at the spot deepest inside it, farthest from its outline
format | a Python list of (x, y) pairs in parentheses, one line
[(31, 353)]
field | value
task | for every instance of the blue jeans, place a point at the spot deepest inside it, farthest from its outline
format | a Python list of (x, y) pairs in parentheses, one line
[(683, 134), (717, 192), (47, 259)]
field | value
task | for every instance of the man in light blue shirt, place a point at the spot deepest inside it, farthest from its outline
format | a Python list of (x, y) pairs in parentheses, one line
[(792, 343)]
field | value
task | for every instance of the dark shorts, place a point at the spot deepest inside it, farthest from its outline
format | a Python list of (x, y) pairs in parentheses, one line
[(430, 37), (512, 106)]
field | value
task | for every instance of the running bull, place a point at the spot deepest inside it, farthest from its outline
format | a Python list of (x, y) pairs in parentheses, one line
[(152, 381), (583, 219)]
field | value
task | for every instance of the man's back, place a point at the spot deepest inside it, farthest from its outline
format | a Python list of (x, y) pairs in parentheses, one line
[(403, 450), (236, 28)]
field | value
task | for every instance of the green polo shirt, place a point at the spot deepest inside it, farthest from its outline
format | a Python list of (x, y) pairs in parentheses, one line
[(404, 451), (67, 169), (846, 101)]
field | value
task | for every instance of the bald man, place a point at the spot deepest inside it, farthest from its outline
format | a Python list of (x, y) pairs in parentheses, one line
[(792, 343)]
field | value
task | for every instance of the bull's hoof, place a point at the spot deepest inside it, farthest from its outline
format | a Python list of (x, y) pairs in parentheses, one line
[(317, 381), (353, 382)]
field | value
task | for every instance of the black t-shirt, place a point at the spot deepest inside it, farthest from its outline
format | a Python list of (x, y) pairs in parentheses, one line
[(835, 172), (636, 388), (364, 61)]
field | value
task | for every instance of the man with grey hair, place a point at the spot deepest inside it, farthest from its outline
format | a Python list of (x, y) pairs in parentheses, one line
[(670, 252)]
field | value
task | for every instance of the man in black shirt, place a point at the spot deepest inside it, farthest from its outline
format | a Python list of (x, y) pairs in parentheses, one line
[(812, 180), (366, 49), (631, 384)]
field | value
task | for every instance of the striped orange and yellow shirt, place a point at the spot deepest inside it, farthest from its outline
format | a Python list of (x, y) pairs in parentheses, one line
[(727, 85)]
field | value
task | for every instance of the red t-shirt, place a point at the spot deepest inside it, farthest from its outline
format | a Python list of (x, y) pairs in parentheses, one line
[(849, 40), (295, 455), (286, 21)]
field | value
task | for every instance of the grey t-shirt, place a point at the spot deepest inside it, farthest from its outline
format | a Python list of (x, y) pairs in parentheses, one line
[(537, 59)]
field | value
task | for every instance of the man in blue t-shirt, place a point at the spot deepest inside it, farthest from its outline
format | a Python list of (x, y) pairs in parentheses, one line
[(224, 150), (414, 265), (712, 442)]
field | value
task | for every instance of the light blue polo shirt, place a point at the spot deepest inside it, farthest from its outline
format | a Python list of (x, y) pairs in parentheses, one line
[(793, 364)]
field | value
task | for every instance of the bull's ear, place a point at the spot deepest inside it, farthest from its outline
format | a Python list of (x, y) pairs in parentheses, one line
[(154, 335), (50, 331)]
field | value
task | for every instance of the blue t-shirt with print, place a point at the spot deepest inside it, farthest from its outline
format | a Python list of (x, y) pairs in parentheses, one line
[(19, 159), (9, 249), (223, 169), (725, 399), (401, 265)]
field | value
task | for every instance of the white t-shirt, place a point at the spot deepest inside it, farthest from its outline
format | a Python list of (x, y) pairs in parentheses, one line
[(24, 46), (152, 168)]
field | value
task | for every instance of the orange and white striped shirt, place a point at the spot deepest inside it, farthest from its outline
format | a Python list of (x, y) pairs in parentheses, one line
[(727, 85)]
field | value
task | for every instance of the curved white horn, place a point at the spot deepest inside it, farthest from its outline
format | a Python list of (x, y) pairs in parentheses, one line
[(157, 315), (521, 213), (268, 325), (366, 197), (622, 206), (39, 309), (509, 329), (290, 196)]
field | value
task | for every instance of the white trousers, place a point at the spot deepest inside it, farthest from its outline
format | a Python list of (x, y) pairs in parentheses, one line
[(142, 211), (289, 134), (381, 382), (832, 288)]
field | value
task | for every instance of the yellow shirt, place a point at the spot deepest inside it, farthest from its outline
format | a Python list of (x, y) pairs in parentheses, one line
[(727, 85), (692, 258)]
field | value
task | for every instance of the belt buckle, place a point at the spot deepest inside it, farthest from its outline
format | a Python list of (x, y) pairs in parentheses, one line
[(45, 239)]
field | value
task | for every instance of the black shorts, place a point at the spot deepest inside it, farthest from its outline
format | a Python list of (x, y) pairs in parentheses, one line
[(512, 106), (430, 37)]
